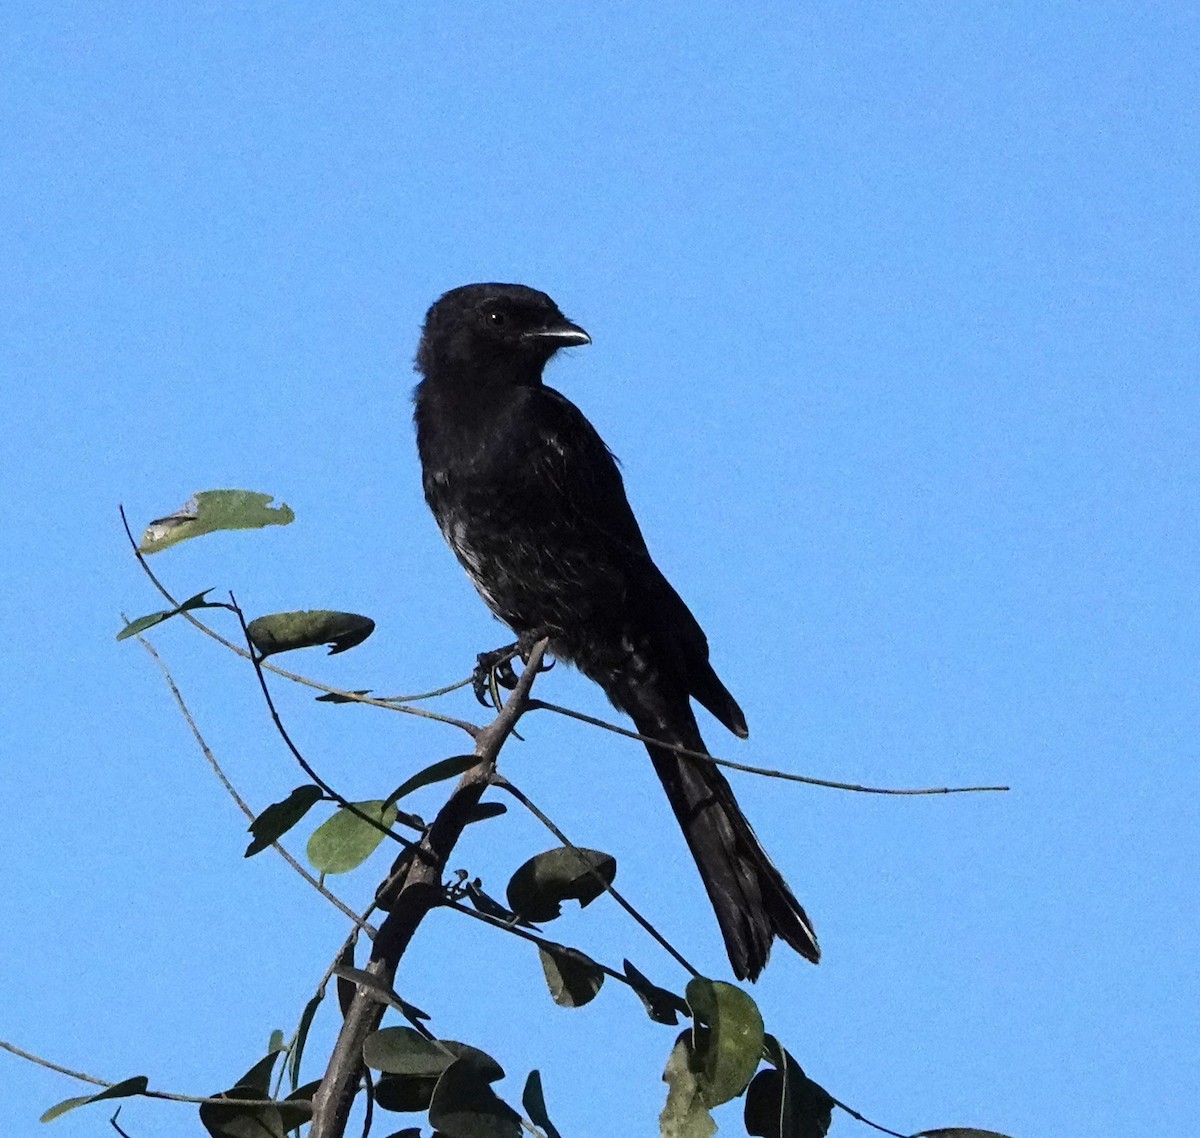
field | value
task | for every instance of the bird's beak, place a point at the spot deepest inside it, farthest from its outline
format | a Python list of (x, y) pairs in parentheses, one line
[(564, 335)]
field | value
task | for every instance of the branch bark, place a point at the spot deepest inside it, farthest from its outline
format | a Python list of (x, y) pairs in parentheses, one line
[(419, 890)]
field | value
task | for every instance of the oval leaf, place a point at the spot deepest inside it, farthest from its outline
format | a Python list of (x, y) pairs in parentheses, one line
[(465, 1106), (259, 1076), (573, 977), (661, 1005), (403, 1051), (786, 1103), (343, 842), (124, 1089), (730, 1046), (684, 1115), (435, 772), (214, 510), (534, 1103), (279, 817), (539, 887), (402, 1093), (238, 1121), (286, 631), (150, 620), (959, 1132)]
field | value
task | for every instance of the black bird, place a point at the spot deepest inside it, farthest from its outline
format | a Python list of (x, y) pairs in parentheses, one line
[(532, 502)]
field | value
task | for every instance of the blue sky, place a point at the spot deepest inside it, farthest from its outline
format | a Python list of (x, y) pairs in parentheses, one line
[(894, 312)]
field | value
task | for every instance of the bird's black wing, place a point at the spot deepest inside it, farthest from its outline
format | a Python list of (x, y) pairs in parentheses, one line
[(573, 462)]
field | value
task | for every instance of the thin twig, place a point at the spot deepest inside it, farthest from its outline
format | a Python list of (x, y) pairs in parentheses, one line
[(95, 1082), (503, 783), (305, 765), (349, 696), (533, 938), (242, 804), (766, 772), (862, 1118)]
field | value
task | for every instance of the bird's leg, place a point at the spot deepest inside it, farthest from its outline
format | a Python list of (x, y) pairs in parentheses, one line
[(494, 669), (527, 641)]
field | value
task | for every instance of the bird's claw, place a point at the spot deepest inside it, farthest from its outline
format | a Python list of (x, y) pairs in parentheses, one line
[(494, 670)]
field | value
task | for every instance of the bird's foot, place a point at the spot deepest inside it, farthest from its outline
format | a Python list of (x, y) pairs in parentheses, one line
[(494, 669)]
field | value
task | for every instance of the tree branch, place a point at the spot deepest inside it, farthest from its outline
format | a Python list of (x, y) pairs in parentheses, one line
[(420, 891)]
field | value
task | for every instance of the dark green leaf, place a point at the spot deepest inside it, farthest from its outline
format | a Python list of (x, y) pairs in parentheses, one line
[(286, 631), (573, 978), (382, 992), (214, 510), (435, 772), (539, 887), (259, 1076), (337, 697), (490, 906), (465, 1106), (402, 1093), (959, 1132), (237, 1121), (279, 817), (345, 988), (785, 1102), (729, 1050), (404, 1051), (344, 841), (134, 627), (407, 1132), (124, 1089), (276, 1042), (534, 1103), (661, 1005), (482, 811), (685, 1114), (306, 1018)]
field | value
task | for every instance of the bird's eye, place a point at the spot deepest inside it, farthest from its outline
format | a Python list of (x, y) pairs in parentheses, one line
[(496, 318)]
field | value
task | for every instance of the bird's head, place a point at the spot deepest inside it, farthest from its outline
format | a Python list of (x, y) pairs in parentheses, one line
[(485, 325)]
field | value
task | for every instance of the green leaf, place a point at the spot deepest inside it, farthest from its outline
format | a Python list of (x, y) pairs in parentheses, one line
[(959, 1132), (383, 993), (786, 1103), (534, 1103), (237, 1121), (573, 977), (729, 1047), (306, 1019), (685, 1114), (435, 772), (404, 1051), (344, 841), (134, 627), (661, 1005), (259, 1076), (212, 510), (402, 1093), (124, 1089), (279, 817), (337, 697), (539, 887), (482, 811), (286, 631), (465, 1106)]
